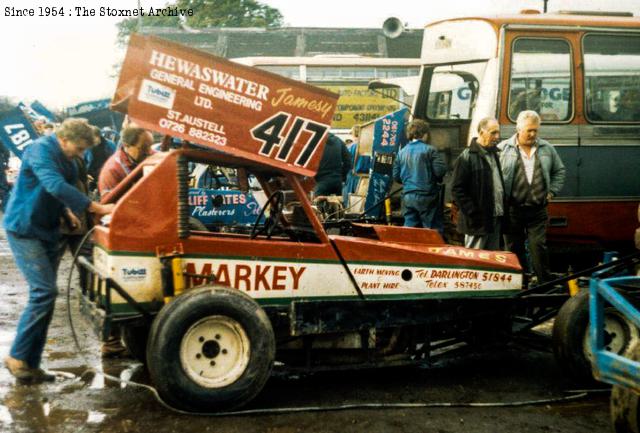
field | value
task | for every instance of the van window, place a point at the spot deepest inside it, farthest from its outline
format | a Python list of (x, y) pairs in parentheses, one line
[(612, 77), (541, 79)]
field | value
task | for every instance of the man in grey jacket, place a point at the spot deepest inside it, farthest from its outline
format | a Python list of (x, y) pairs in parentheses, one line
[(533, 174)]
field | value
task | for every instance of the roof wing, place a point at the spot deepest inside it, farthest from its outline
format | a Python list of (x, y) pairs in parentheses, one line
[(237, 109)]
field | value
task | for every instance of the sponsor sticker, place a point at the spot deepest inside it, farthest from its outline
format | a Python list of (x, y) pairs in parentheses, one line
[(134, 274), (156, 94)]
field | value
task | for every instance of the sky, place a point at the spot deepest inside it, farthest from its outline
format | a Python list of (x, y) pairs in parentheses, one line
[(65, 60)]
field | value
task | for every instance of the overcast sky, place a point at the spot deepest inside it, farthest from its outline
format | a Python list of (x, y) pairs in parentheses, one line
[(67, 59)]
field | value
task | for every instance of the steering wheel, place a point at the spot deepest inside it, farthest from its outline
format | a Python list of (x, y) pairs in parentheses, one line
[(275, 203)]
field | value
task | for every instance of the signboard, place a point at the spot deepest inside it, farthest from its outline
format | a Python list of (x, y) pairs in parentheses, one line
[(211, 101), (16, 132), (359, 105), (88, 107), (43, 111), (388, 136), (223, 207)]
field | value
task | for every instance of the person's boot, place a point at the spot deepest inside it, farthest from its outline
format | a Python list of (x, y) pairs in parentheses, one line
[(113, 348), (19, 369), (40, 375)]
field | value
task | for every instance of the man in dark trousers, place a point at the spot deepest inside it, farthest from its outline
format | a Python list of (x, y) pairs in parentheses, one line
[(533, 174), (478, 189), (45, 189), (333, 168), (420, 168)]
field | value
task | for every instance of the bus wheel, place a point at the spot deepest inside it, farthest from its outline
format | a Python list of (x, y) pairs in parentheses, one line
[(135, 339), (571, 342), (624, 403), (211, 349)]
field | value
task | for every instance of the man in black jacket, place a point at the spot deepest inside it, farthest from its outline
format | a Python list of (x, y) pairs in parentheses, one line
[(333, 168), (478, 189)]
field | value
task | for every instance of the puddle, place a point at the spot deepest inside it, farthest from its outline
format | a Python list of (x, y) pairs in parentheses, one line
[(5, 415)]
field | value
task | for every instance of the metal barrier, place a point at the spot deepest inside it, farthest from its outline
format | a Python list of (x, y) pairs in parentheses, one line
[(609, 367)]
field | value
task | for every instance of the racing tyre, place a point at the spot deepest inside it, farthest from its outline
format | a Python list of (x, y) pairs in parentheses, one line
[(135, 339), (571, 342), (624, 403), (197, 225), (211, 349)]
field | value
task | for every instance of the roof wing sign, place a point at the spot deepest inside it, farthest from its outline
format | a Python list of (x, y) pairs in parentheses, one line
[(208, 100)]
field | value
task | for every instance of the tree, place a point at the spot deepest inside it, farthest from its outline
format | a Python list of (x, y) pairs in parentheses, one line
[(6, 105), (209, 13)]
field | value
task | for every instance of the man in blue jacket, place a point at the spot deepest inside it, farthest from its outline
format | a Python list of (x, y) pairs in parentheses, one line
[(420, 168), (45, 189), (533, 174)]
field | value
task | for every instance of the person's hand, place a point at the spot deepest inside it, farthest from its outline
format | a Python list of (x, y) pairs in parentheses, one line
[(549, 196), (73, 221), (101, 209)]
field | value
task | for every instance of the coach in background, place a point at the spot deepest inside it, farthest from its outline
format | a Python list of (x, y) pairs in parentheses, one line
[(478, 189), (533, 174)]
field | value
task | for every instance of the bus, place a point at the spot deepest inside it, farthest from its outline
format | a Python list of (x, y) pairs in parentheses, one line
[(581, 73), (347, 75)]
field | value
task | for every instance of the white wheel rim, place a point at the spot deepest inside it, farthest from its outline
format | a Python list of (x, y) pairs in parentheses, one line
[(214, 352), (619, 335)]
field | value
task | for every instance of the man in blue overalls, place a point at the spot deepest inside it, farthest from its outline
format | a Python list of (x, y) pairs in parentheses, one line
[(420, 168)]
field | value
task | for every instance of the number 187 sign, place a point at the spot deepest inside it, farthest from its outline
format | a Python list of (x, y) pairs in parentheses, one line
[(216, 103), (16, 132)]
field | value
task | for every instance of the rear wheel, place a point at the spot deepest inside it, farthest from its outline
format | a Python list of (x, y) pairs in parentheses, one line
[(571, 342), (210, 349)]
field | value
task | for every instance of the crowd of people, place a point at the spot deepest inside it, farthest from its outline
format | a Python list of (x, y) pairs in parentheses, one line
[(501, 189)]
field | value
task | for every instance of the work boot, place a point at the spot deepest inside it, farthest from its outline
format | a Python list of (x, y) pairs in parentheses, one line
[(113, 348), (40, 375), (19, 369)]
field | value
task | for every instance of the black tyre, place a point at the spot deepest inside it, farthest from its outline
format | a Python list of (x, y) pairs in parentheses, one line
[(571, 342), (197, 225), (135, 339), (625, 414), (211, 349)]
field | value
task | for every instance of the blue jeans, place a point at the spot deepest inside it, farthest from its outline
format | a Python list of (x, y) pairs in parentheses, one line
[(38, 261), (421, 210)]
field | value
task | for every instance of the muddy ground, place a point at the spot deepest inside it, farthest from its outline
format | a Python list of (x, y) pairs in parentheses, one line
[(83, 401)]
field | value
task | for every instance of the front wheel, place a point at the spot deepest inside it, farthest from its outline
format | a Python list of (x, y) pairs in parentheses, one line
[(211, 349)]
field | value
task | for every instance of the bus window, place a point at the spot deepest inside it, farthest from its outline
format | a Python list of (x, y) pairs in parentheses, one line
[(292, 72), (541, 79), (453, 91), (612, 77)]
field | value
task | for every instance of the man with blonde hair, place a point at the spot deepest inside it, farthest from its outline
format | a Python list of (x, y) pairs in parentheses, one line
[(533, 174), (45, 188)]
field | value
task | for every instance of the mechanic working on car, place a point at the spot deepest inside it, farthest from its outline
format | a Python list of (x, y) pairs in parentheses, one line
[(45, 188), (134, 148), (420, 168)]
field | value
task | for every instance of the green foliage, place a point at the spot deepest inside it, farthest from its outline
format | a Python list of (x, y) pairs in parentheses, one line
[(209, 13), (6, 105)]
